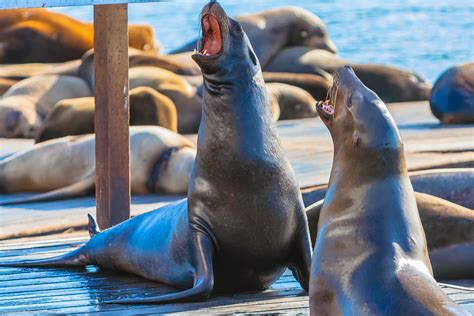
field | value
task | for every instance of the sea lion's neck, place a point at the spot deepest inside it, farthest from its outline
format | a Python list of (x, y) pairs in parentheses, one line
[(367, 164)]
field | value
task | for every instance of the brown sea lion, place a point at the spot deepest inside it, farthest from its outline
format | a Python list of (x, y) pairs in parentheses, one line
[(243, 221), (25, 104), (315, 85), (454, 185), (447, 226), (6, 84), (76, 116), (390, 83), (371, 254), (24, 71), (161, 162), (294, 103), (452, 96), (40, 36), (272, 30)]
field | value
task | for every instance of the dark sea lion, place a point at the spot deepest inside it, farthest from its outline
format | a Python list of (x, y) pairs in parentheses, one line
[(371, 254), (447, 226), (315, 85), (76, 116), (25, 104), (243, 222), (161, 162), (390, 83), (454, 185), (294, 102), (40, 36), (452, 96), (272, 30)]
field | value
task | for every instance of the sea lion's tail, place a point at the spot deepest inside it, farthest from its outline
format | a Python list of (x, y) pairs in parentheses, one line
[(74, 190), (92, 226), (75, 258)]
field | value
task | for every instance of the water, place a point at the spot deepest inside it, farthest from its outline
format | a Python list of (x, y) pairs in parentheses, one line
[(425, 36)]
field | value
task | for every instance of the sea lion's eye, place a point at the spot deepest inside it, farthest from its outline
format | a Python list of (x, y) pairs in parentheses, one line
[(304, 34), (349, 101), (253, 57)]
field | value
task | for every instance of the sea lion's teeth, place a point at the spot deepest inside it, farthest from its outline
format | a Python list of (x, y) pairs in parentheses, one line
[(204, 52)]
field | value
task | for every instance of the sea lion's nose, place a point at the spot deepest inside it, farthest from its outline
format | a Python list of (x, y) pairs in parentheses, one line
[(12, 119)]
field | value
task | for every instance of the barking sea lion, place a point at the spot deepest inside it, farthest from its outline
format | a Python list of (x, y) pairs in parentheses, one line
[(243, 222), (371, 254)]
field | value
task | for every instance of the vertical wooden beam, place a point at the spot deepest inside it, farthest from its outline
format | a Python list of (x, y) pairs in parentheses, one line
[(111, 114)]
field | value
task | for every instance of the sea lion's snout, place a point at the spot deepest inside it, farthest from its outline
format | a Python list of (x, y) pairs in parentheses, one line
[(211, 43)]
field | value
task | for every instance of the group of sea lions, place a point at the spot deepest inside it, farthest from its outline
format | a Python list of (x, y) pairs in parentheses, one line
[(292, 44), (244, 221)]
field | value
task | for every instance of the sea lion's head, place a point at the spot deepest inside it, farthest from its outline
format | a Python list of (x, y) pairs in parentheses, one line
[(307, 29), (224, 51), (356, 116), (18, 117)]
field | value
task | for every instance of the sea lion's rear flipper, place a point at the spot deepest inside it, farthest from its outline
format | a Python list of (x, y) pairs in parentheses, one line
[(74, 258), (203, 278), (74, 190), (92, 226)]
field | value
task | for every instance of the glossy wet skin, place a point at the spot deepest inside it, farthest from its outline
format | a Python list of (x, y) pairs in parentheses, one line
[(243, 222), (370, 235)]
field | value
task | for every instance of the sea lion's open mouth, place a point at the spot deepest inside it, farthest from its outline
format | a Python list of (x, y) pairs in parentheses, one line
[(211, 41), (325, 109)]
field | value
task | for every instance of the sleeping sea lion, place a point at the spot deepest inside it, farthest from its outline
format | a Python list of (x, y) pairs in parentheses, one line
[(161, 162), (25, 104), (76, 116)]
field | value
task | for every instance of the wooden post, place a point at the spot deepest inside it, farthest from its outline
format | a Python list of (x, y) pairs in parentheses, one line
[(112, 114)]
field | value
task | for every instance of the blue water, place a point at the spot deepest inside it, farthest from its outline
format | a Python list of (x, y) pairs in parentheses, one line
[(425, 36)]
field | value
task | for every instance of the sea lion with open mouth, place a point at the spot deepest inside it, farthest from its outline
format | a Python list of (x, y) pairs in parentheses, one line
[(371, 254), (243, 222)]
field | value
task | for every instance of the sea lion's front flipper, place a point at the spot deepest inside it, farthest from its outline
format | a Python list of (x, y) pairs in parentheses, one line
[(203, 277), (74, 190), (301, 263)]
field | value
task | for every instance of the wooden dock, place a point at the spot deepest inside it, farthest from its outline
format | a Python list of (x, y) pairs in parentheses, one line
[(79, 291), (308, 146)]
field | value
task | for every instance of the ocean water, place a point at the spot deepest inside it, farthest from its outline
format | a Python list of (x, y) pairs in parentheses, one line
[(425, 36)]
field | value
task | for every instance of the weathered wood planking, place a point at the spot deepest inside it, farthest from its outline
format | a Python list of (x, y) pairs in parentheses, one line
[(308, 146), (35, 290)]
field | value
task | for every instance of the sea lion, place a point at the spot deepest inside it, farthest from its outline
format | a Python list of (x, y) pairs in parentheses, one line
[(24, 71), (161, 162), (40, 36), (25, 104), (390, 83), (452, 96), (76, 116), (451, 184), (370, 235), (272, 30), (243, 221), (294, 103), (315, 85), (447, 226), (6, 84)]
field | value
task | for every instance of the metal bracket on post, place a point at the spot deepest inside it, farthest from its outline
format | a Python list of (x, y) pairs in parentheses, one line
[(112, 114)]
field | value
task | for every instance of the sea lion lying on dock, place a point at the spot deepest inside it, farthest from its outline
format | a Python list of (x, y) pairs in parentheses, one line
[(390, 83), (294, 102), (76, 116), (243, 222), (317, 86), (161, 162), (271, 31), (25, 104), (371, 254), (41, 36), (452, 97)]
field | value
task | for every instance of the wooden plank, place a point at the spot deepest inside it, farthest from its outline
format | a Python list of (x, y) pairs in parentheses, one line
[(88, 290), (112, 114), (16, 4)]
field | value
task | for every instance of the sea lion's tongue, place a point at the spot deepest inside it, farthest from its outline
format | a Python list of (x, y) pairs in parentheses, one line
[(212, 39)]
